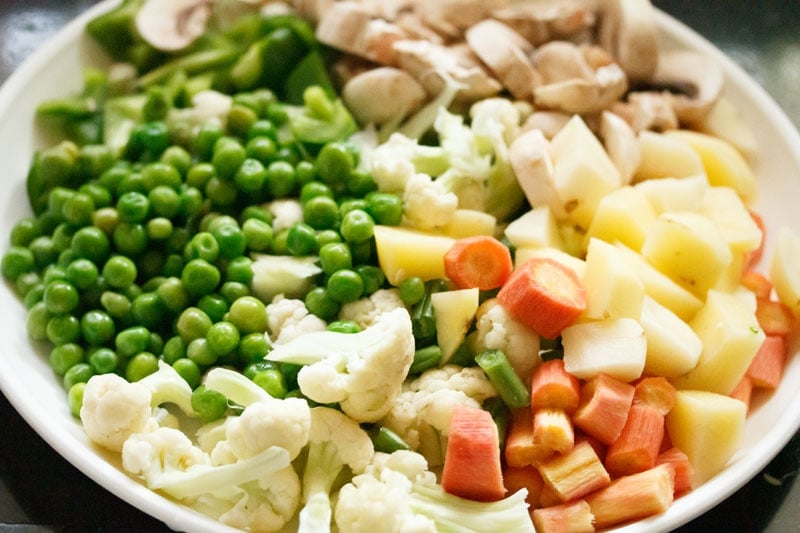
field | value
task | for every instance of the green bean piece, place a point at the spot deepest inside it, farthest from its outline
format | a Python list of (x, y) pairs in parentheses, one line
[(426, 358), (209, 405), (387, 441), (423, 319), (500, 372)]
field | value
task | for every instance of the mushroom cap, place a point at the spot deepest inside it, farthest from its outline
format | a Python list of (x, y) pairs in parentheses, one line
[(698, 78), (172, 25), (382, 94), (621, 144), (628, 31)]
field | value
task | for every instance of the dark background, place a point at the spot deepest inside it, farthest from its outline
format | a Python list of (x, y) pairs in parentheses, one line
[(40, 491)]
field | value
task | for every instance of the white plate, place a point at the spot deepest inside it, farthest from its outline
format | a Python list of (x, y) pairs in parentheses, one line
[(30, 385)]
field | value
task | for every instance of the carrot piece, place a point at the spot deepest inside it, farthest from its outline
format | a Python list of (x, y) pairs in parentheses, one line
[(552, 429), (519, 449), (544, 295), (524, 477), (634, 497), (479, 261), (553, 386), (604, 406), (758, 283), (754, 256), (575, 517), (774, 317), (743, 391), (684, 473), (575, 474), (638, 445), (655, 391), (766, 368), (472, 460), (549, 497)]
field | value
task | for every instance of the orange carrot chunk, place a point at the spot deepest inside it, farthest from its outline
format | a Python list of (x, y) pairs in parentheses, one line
[(683, 468), (758, 283), (472, 461), (634, 497), (479, 261), (576, 473), (552, 429), (774, 317), (519, 448), (657, 392), (545, 295), (575, 517), (754, 256), (743, 391), (638, 445), (766, 368), (605, 402), (525, 477), (552, 386)]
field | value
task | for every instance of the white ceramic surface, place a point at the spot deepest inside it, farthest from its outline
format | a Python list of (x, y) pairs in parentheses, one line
[(29, 383)]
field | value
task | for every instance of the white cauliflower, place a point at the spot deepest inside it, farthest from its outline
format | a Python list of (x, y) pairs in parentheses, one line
[(285, 213), (288, 318), (420, 415), (497, 330), (427, 204), (267, 504), (397, 493), (365, 311), (363, 371)]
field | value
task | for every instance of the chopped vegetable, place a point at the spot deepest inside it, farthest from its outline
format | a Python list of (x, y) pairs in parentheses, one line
[(478, 262)]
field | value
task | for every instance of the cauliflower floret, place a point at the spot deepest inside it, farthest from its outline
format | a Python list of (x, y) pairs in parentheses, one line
[(364, 311), (497, 330), (363, 372), (421, 413), (267, 504), (149, 454), (270, 422), (392, 163), (427, 204), (289, 318), (285, 213)]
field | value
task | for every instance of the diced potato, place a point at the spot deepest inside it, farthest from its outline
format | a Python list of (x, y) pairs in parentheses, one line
[(725, 209), (666, 157), (616, 347), (404, 253), (725, 121), (536, 228), (723, 164), (469, 222), (675, 194), (576, 264), (582, 173), (688, 248), (729, 330), (574, 239), (624, 215), (454, 312), (784, 269), (661, 287), (708, 428), (731, 277), (612, 289), (673, 348)]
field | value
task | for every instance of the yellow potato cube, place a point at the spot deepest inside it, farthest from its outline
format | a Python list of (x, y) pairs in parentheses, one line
[(785, 268), (731, 336), (454, 312), (577, 264), (404, 253), (727, 211), (675, 194), (666, 157), (673, 348), (469, 222), (612, 289), (536, 228), (624, 215), (616, 346), (725, 121), (689, 249), (708, 428)]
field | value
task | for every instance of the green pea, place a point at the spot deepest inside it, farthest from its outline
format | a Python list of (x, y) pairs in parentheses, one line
[(27, 281), (200, 277), (173, 294), (62, 236), (148, 141), (229, 154), (206, 138), (360, 183), (320, 303), (161, 175), (78, 209), (363, 252), (82, 273), (204, 246), (178, 158), (262, 128), (117, 305), (61, 297), (91, 243), (222, 338), (306, 172), (54, 273), (24, 231), (354, 203), (385, 208), (97, 327), (253, 347), (412, 290), (164, 201), (335, 162), (63, 329), (327, 236), (321, 212), (132, 340), (43, 250), (16, 261), (279, 245), (251, 176), (193, 323), (79, 373), (357, 226), (119, 272), (199, 175), (65, 356), (199, 352), (257, 234), (221, 193), (240, 270), (103, 361), (233, 290), (133, 207), (280, 179), (33, 296), (214, 305), (335, 256), (240, 119), (209, 405), (372, 276), (148, 309), (75, 398), (174, 349), (189, 371), (313, 189), (262, 149), (105, 219), (130, 238), (158, 229), (132, 182), (301, 239), (248, 314), (256, 212), (140, 366), (272, 381), (231, 239), (100, 195), (37, 320), (190, 202), (345, 285)]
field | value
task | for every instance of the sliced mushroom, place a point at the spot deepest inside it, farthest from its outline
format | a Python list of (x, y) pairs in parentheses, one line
[(505, 52), (451, 17), (697, 82), (349, 26), (542, 21), (383, 95), (548, 122), (423, 59), (529, 155), (173, 25), (621, 144), (648, 111), (628, 31)]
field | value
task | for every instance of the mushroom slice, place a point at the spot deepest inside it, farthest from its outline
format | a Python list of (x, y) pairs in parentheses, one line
[(451, 17), (311, 10), (628, 31), (647, 111), (621, 144), (349, 26), (697, 81), (423, 59), (384, 95), (543, 21), (173, 25), (530, 159), (505, 52), (548, 122)]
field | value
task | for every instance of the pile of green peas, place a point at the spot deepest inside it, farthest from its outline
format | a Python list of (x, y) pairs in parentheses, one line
[(145, 257)]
